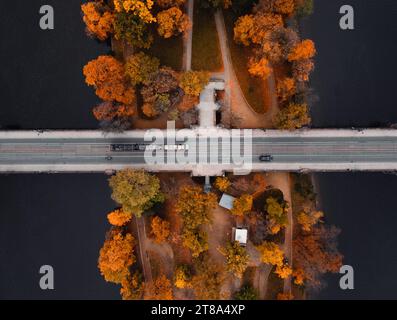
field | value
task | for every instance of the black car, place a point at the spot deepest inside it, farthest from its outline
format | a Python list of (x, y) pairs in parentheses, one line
[(266, 158)]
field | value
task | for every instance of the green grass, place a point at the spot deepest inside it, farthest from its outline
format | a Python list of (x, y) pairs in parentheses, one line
[(253, 88), (169, 51), (206, 54)]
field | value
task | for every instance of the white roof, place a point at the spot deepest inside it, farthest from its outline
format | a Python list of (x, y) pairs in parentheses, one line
[(227, 201), (241, 236)]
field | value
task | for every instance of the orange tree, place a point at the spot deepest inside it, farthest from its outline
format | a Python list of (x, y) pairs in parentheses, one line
[(160, 289), (119, 218), (98, 19), (116, 256), (172, 22), (106, 75), (160, 229)]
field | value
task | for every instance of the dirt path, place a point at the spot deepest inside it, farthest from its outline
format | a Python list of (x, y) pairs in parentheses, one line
[(147, 272), (281, 181), (240, 108)]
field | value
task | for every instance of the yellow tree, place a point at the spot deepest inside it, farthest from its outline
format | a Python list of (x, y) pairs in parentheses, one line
[(182, 277), (236, 258), (98, 19), (160, 229), (139, 8), (242, 205), (172, 22), (132, 287), (294, 116), (303, 50), (135, 190), (271, 253), (193, 82), (116, 256), (140, 66), (243, 29), (222, 183), (119, 218)]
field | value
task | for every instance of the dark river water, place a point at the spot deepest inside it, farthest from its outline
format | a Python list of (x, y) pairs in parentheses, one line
[(60, 220), (355, 84)]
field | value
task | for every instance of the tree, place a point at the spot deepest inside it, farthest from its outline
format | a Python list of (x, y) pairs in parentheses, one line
[(208, 279), (285, 7), (316, 253), (139, 67), (236, 258), (308, 219), (259, 68), (193, 82), (257, 28), (194, 206), (160, 229), (294, 116), (149, 110), (135, 190), (106, 75), (301, 69), (283, 271), (114, 116), (98, 19), (119, 218), (303, 50), (116, 256), (243, 29), (182, 277), (277, 214), (286, 88), (132, 29), (242, 205), (187, 103), (304, 7), (271, 253), (247, 292), (195, 240), (170, 3), (132, 287), (139, 8), (172, 22), (160, 289), (222, 183)]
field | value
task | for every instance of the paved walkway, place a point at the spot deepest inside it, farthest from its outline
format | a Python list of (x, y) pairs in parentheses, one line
[(281, 180), (188, 38), (240, 108)]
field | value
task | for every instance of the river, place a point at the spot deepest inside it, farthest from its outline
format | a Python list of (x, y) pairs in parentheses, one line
[(355, 83)]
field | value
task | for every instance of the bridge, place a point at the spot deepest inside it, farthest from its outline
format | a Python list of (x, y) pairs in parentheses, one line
[(299, 151)]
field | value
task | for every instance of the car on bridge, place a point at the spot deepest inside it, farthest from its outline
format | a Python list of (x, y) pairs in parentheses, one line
[(266, 158)]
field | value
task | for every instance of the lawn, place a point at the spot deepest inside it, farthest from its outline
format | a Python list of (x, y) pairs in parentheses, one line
[(169, 51), (254, 89), (206, 54)]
